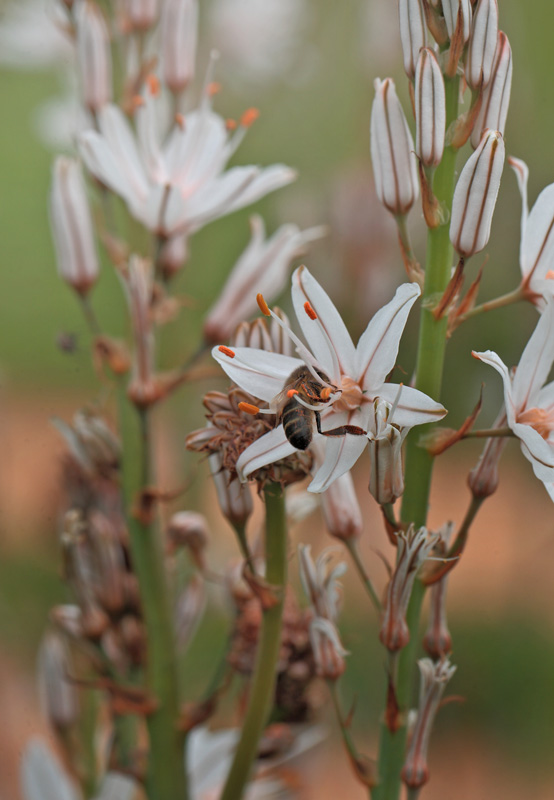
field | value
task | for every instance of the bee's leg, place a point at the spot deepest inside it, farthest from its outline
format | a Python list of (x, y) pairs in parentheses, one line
[(341, 431)]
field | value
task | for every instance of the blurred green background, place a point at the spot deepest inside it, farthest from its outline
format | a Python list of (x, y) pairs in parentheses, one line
[(319, 125)]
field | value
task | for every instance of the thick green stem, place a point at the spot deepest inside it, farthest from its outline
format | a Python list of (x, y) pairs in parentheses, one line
[(166, 774), (419, 462), (263, 681)]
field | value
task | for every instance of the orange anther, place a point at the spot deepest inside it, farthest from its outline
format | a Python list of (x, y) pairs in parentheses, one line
[(226, 351), (213, 88), (137, 101), (249, 117), (231, 124), (325, 393), (248, 408), (264, 308), (180, 120), (549, 275), (153, 84), (309, 310), (292, 392)]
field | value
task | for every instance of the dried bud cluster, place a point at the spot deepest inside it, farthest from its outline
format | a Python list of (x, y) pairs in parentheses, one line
[(295, 667)]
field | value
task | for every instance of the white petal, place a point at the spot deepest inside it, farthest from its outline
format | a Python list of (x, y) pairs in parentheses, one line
[(413, 408), (341, 452), (537, 245), (197, 153), (271, 447), (118, 787), (121, 141), (42, 776), (536, 449), (536, 360), (101, 162), (378, 346), (215, 198), (545, 398), (258, 372), (305, 288), (491, 358), (268, 180), (522, 175)]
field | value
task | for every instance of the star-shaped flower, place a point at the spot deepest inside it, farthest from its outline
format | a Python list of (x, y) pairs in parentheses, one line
[(357, 375), (180, 184), (530, 404)]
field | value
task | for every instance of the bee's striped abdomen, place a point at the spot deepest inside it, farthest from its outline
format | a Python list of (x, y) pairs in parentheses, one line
[(297, 424)]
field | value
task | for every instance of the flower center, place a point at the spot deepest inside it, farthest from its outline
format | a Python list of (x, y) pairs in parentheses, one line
[(541, 419), (351, 397)]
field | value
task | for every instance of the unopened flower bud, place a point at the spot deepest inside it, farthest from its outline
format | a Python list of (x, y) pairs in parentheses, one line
[(430, 109), (437, 640), (475, 196), (138, 283), (386, 480), (72, 226), (413, 32), (413, 548), (179, 32), (141, 14), (496, 97), (234, 497), (483, 478), (392, 151), (93, 55), (434, 678), (190, 529), (482, 45), (58, 694), (173, 255), (454, 10), (327, 649), (341, 510)]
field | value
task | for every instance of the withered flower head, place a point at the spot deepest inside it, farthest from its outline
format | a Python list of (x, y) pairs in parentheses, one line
[(231, 428)]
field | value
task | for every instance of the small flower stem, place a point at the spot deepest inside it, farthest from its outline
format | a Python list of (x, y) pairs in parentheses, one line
[(498, 302), (263, 681), (488, 433), (413, 793), (166, 775), (90, 316), (419, 462), (366, 580)]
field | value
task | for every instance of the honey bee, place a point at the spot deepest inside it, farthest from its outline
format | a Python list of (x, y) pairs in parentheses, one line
[(296, 418)]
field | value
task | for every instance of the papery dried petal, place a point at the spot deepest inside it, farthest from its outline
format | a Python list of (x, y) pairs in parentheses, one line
[(434, 678), (392, 151), (72, 226), (341, 510), (93, 55), (327, 649), (483, 478), (475, 196), (413, 32), (430, 109), (482, 45), (496, 97), (58, 693), (190, 529), (235, 499)]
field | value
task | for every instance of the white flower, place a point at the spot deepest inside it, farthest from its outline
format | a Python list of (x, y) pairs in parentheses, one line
[(181, 184), (357, 376), (536, 253), (264, 264), (529, 404)]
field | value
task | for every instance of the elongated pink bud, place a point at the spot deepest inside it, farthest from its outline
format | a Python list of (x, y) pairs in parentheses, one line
[(179, 32), (392, 151), (482, 44), (341, 510), (141, 14), (452, 9), (72, 226), (430, 109), (475, 196), (496, 97), (93, 55), (413, 32)]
